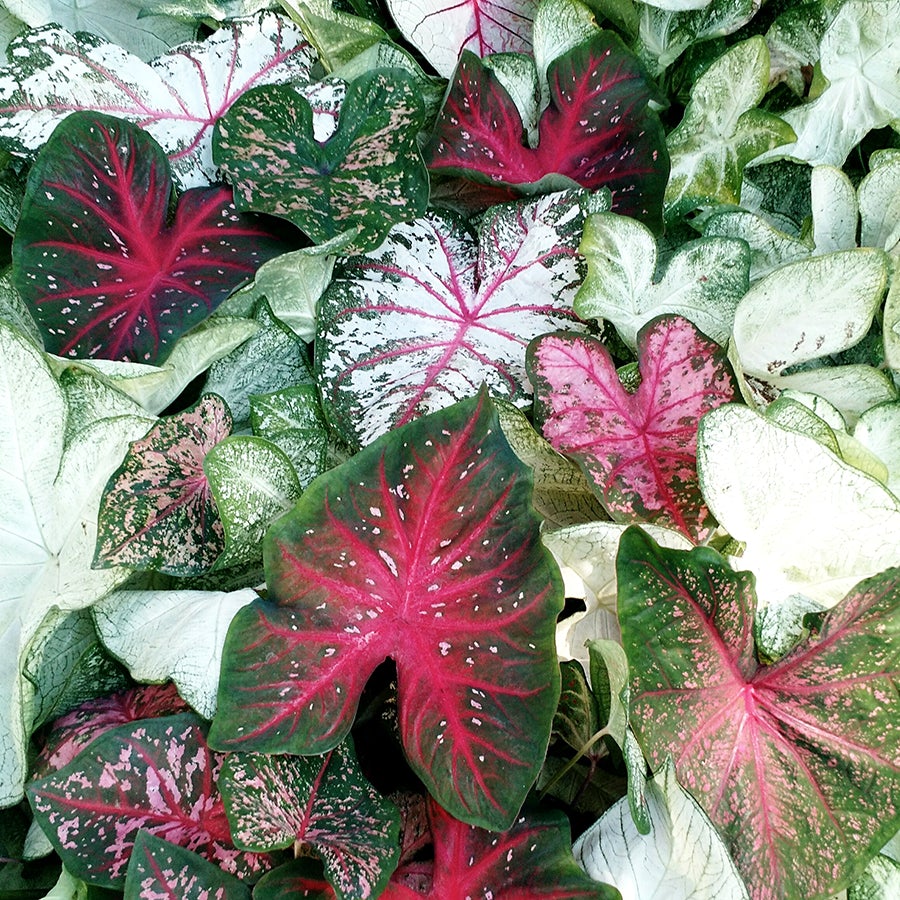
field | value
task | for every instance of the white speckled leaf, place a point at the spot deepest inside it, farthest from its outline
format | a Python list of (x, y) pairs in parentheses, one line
[(682, 858), (322, 802), (433, 313), (171, 635), (177, 97)]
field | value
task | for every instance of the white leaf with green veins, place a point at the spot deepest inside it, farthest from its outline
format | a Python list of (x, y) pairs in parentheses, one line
[(879, 203), (722, 130), (878, 430), (835, 210), (49, 499), (219, 10), (811, 524), (703, 280), (860, 58), (682, 858), (879, 881), (177, 635)]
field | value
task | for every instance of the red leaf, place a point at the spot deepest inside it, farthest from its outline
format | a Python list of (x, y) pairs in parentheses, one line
[(798, 763), (639, 450), (422, 547), (597, 130)]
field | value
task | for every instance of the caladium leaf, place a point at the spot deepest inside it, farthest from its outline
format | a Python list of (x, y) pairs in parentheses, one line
[(702, 280), (367, 176), (431, 315), (682, 858), (158, 868), (157, 511), (173, 634), (95, 260), (177, 97), (195, 10), (637, 449), (722, 130), (323, 803), (422, 547), (156, 774), (597, 131), (797, 763)]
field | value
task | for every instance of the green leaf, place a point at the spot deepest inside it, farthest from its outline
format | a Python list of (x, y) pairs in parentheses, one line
[(366, 177), (722, 130), (703, 280)]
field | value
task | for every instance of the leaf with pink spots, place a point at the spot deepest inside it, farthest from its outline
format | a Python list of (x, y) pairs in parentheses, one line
[(158, 775), (96, 260), (797, 763), (638, 450), (597, 130), (423, 547), (157, 511), (322, 803)]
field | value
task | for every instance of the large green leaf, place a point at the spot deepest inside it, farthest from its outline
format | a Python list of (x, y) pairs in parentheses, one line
[(366, 177)]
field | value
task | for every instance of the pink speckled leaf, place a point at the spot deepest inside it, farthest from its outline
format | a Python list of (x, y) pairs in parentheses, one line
[(94, 258), (598, 129), (638, 450), (177, 97), (422, 547), (366, 176), (798, 763), (161, 870), (433, 314), (158, 511), (321, 802), (442, 29), (156, 774)]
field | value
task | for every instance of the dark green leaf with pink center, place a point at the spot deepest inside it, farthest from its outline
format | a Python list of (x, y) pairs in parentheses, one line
[(639, 450), (798, 763), (424, 548), (158, 511)]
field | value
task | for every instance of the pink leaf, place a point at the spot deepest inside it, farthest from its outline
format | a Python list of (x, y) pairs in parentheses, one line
[(639, 450)]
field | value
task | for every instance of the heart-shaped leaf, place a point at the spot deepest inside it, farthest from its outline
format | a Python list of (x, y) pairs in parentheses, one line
[(367, 176), (156, 774), (797, 764), (638, 449), (321, 802), (157, 511), (422, 547), (597, 131), (177, 97), (95, 260), (431, 315)]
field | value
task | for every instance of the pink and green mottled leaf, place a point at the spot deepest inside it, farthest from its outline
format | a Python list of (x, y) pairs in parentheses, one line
[(638, 450), (161, 870), (95, 260), (423, 547), (323, 803), (177, 97), (367, 176), (441, 30), (433, 313), (532, 859), (158, 775), (797, 763), (158, 511), (597, 130)]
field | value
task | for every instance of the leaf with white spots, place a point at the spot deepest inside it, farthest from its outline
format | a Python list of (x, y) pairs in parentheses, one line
[(365, 177), (172, 634), (433, 314), (157, 511), (156, 774), (160, 869), (797, 764), (598, 129), (638, 449), (177, 97), (322, 803), (422, 547), (94, 258)]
